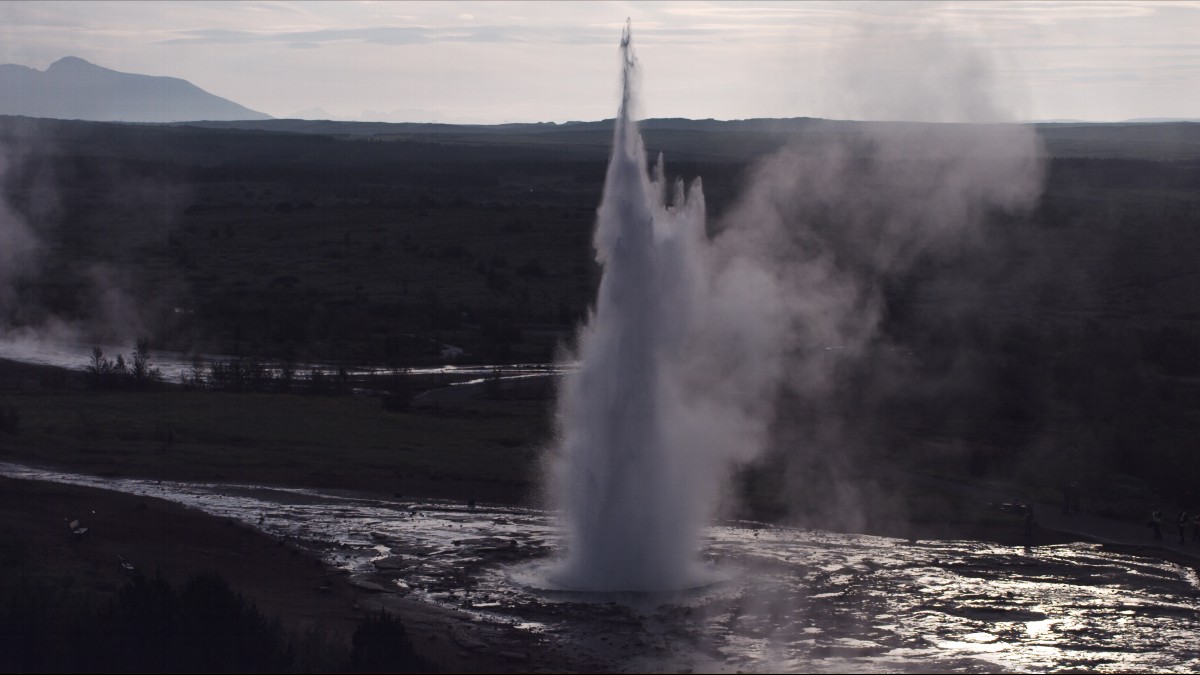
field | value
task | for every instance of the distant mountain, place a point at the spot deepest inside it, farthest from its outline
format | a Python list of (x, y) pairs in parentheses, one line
[(72, 88), (1160, 120), (311, 114)]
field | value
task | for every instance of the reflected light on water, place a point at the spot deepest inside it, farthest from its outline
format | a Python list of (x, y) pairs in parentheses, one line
[(793, 599)]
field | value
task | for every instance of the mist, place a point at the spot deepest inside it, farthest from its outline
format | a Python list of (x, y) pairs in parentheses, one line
[(706, 354), (825, 229), (47, 297), (19, 246)]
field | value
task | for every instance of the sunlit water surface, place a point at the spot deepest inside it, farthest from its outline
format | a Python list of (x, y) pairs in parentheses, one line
[(792, 599)]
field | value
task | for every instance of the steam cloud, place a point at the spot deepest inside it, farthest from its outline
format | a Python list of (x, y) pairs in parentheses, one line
[(29, 207), (694, 339), (845, 209), (18, 244)]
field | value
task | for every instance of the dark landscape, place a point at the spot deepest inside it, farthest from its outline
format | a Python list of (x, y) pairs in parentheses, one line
[(319, 272), (1071, 328)]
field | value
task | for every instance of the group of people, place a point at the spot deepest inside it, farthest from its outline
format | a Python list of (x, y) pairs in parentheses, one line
[(1070, 505), (1181, 522)]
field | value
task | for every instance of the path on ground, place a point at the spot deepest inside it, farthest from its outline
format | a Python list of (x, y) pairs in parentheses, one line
[(1101, 529)]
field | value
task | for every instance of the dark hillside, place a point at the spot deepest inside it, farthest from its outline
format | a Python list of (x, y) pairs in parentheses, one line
[(1069, 334)]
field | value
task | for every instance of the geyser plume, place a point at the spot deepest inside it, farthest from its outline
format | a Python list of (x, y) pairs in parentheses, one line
[(694, 340), (644, 439)]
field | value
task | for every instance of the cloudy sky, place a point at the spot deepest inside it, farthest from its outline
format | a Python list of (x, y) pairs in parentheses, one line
[(545, 61)]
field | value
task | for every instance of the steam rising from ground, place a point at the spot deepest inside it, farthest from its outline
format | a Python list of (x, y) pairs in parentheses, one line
[(18, 245), (29, 207), (694, 338)]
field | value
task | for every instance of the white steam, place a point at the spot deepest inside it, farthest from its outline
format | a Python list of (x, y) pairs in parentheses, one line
[(846, 208), (693, 338), (31, 319), (632, 482)]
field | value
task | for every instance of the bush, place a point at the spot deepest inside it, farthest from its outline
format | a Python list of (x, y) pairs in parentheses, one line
[(218, 630), (140, 370), (148, 627), (105, 373), (381, 645)]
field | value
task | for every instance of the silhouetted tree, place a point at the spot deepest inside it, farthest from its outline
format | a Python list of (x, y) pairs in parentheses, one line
[(99, 369), (141, 371)]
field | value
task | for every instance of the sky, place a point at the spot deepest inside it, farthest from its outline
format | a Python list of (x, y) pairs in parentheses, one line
[(494, 62)]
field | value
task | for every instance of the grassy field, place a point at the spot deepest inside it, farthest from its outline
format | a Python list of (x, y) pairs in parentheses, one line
[(487, 450)]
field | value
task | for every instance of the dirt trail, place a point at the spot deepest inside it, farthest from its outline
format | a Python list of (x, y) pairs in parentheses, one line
[(1129, 536)]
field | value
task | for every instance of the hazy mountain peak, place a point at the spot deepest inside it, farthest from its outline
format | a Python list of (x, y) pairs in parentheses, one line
[(73, 88), (72, 62)]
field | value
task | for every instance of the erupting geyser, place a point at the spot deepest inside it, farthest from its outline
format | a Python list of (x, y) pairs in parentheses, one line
[(633, 491)]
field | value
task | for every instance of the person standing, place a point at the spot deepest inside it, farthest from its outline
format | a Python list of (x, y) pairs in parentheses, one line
[(1181, 522), (1156, 523)]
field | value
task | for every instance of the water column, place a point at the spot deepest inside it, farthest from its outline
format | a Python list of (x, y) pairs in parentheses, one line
[(624, 481)]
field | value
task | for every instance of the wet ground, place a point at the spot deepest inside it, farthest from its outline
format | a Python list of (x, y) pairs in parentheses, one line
[(791, 600)]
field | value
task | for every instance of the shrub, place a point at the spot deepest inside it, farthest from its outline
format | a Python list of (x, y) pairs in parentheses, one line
[(381, 645), (148, 627), (48, 624)]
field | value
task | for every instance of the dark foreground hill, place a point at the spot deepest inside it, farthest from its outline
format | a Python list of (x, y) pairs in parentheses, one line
[(72, 88)]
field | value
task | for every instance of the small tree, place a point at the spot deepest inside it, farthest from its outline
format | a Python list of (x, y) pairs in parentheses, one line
[(100, 369), (143, 375), (287, 376), (97, 366), (198, 379), (381, 645)]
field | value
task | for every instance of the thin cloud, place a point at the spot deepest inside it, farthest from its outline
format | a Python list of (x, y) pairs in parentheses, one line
[(379, 35), (1052, 12), (409, 35)]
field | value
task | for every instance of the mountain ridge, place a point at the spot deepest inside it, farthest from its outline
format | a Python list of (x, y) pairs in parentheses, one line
[(74, 88)]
